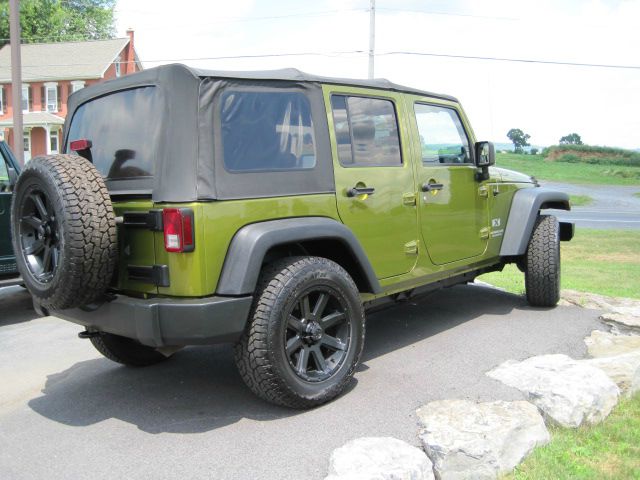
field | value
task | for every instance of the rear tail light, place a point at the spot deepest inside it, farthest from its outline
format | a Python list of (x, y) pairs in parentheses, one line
[(178, 229), (79, 145)]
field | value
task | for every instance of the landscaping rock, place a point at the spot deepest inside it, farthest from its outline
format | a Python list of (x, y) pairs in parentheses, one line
[(379, 458), (627, 306), (469, 440), (604, 344), (624, 370), (622, 323), (567, 392)]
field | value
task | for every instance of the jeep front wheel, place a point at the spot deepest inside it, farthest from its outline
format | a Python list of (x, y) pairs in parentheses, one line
[(542, 263), (305, 334)]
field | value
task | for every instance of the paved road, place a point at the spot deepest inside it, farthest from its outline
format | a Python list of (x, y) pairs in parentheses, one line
[(613, 207), (66, 412)]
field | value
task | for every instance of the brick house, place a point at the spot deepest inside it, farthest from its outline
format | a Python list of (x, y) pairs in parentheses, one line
[(50, 73)]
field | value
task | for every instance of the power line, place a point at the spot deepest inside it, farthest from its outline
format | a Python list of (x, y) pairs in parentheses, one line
[(517, 60)]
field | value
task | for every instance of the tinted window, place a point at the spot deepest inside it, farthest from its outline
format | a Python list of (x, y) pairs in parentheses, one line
[(123, 128), (366, 131), (4, 175), (442, 137), (266, 131)]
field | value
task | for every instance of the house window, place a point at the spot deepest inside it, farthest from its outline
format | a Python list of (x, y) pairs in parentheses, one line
[(25, 98), (54, 139), (118, 60), (51, 92), (76, 85)]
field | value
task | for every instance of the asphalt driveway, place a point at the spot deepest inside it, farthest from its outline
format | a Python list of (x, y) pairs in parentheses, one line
[(66, 412)]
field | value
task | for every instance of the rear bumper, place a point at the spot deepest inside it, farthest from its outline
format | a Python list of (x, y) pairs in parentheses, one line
[(160, 322)]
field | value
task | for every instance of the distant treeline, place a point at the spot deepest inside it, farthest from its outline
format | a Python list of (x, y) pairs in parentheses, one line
[(592, 154)]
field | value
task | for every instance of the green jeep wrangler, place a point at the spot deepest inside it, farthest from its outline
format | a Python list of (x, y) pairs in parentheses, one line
[(267, 209)]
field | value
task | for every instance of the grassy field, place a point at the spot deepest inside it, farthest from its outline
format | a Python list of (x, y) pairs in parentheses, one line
[(569, 172), (580, 200), (610, 450), (637, 194), (598, 261)]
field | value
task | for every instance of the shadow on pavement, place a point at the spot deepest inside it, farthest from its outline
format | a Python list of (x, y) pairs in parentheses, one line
[(200, 390), (16, 306)]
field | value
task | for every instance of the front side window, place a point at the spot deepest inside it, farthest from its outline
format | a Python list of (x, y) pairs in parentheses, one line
[(266, 131), (366, 132), (25, 98), (4, 174), (122, 146), (442, 137), (51, 92)]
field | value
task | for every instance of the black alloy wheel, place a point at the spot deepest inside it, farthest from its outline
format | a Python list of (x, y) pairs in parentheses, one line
[(317, 335), (39, 235)]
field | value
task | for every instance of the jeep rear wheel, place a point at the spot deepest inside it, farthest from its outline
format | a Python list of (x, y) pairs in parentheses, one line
[(64, 233), (305, 334), (125, 350), (542, 263)]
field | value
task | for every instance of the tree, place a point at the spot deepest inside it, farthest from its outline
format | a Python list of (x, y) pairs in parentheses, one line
[(61, 20), (519, 139), (571, 139)]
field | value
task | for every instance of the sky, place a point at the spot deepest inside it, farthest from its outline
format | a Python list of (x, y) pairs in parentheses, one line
[(331, 38)]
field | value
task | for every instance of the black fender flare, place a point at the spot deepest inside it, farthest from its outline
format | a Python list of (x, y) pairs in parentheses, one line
[(526, 204), (251, 243)]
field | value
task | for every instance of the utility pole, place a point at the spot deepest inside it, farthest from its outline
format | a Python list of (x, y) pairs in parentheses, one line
[(16, 79), (372, 36)]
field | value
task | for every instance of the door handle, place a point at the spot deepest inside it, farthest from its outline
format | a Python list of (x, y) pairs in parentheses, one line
[(355, 191), (432, 187)]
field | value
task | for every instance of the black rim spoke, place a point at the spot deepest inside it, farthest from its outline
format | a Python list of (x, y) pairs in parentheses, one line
[(32, 221), (46, 259), (295, 324), (293, 344), (332, 319), (320, 305), (333, 342), (317, 343), (42, 210), (35, 248), (303, 361)]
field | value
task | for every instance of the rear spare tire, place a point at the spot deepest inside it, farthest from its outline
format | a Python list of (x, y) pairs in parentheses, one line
[(63, 231)]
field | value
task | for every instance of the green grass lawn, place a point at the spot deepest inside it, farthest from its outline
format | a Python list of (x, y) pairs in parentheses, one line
[(637, 194), (569, 172), (580, 200), (598, 261), (610, 450)]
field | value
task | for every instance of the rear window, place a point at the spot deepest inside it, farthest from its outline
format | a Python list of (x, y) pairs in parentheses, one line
[(123, 128), (266, 131)]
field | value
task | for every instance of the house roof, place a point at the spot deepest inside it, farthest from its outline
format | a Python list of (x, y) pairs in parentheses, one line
[(64, 60), (33, 119)]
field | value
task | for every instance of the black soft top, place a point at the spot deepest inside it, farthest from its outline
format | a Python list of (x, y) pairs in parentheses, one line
[(184, 167)]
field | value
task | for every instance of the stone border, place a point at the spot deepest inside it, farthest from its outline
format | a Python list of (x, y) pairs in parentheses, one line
[(463, 439)]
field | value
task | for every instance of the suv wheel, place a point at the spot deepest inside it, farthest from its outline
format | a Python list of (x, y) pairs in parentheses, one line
[(63, 231), (305, 334), (125, 350), (542, 263)]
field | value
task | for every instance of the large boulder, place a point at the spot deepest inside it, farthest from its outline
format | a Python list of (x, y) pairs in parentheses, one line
[(627, 306), (469, 440), (567, 392), (605, 344), (623, 369), (379, 458), (622, 323)]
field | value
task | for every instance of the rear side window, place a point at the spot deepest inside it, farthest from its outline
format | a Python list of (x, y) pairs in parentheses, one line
[(266, 131), (366, 132), (123, 128), (442, 137)]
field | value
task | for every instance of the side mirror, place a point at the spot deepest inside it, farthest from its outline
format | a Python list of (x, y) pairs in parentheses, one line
[(485, 154), (13, 176)]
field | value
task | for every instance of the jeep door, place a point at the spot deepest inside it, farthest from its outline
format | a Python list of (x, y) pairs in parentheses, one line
[(375, 187), (7, 258), (452, 204)]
